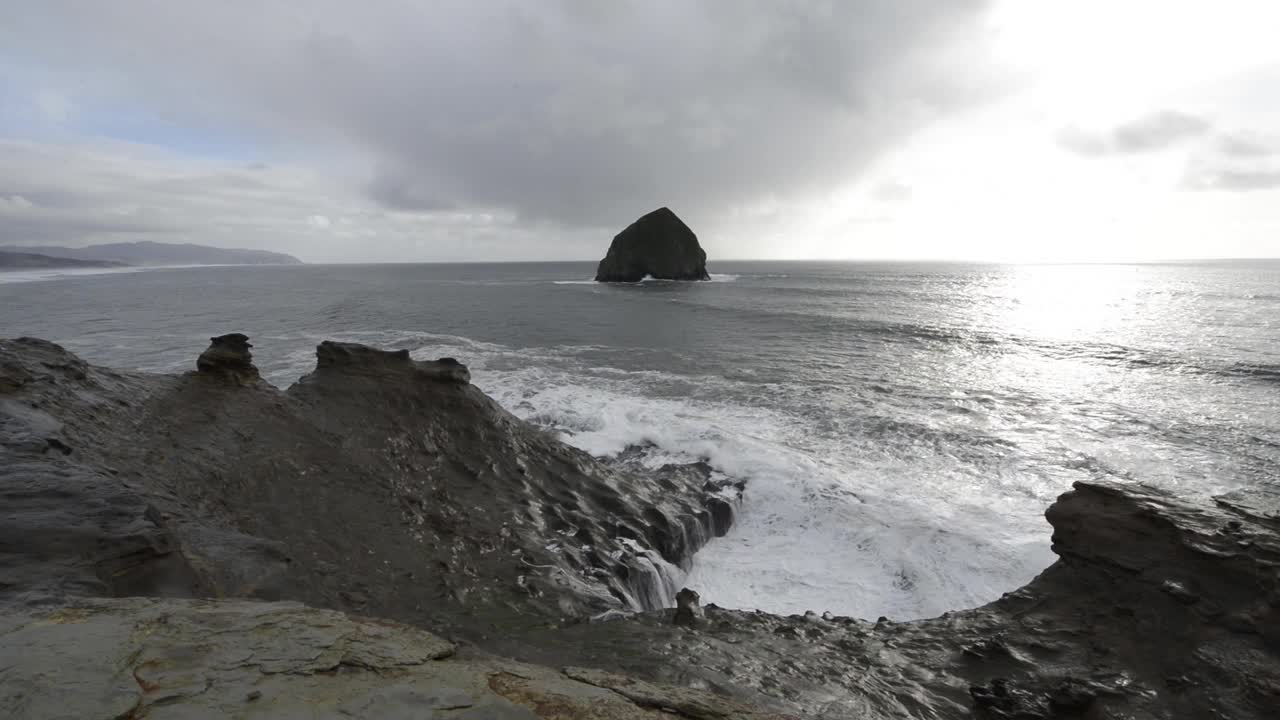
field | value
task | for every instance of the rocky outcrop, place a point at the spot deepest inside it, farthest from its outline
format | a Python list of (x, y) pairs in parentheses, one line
[(337, 357), (688, 611), (229, 356), (378, 484), (1157, 608), (658, 245), (394, 488)]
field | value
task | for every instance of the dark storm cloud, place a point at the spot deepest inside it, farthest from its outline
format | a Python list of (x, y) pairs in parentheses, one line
[(1153, 132), (573, 113)]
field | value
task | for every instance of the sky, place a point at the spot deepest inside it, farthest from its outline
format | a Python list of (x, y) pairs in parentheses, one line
[(1006, 130)]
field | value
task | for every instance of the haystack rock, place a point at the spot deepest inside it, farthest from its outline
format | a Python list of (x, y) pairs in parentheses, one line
[(658, 245)]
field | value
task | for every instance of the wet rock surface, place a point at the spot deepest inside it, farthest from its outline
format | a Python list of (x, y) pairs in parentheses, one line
[(388, 487), (658, 245)]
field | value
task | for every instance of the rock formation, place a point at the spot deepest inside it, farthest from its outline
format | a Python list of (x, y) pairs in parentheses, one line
[(377, 483), (688, 611), (394, 488), (658, 245), (229, 356)]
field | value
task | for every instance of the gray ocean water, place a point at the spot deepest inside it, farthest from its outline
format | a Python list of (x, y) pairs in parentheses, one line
[(902, 427)]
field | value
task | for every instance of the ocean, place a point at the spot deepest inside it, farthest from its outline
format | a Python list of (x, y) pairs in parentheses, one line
[(901, 427)]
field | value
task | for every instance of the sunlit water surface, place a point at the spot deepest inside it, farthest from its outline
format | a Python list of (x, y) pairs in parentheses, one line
[(902, 427)]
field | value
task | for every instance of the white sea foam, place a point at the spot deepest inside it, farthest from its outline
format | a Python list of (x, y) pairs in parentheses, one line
[(43, 274), (814, 533), (715, 277)]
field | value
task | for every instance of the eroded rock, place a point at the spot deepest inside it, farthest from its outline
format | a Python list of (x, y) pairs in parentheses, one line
[(378, 484), (228, 356), (355, 358), (688, 611), (163, 659)]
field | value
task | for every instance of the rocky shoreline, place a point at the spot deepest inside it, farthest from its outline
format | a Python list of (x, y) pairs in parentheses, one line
[(160, 532)]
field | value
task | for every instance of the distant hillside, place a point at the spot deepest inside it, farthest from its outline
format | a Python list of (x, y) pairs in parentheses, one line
[(33, 261), (154, 253)]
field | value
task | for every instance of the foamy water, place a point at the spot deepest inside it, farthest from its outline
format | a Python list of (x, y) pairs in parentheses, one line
[(822, 526), (45, 274)]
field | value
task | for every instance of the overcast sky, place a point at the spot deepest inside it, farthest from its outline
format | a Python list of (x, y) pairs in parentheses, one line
[(420, 131)]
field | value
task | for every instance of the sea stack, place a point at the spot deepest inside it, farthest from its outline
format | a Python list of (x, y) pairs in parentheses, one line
[(658, 245)]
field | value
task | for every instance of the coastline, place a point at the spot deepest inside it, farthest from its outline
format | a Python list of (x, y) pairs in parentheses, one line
[(216, 485)]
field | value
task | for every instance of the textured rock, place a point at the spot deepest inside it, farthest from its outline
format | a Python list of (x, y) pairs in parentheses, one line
[(688, 611), (162, 659), (1097, 635), (355, 358), (657, 245), (377, 483), (228, 356)]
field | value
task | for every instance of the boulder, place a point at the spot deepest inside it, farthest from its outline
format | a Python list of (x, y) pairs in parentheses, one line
[(658, 245)]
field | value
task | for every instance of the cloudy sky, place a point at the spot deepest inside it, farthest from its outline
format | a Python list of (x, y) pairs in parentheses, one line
[(394, 130)]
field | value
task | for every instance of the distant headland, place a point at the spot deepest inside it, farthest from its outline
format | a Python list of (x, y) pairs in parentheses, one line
[(143, 253)]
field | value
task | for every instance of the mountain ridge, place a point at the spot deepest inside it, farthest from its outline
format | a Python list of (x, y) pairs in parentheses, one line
[(39, 261), (148, 252)]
